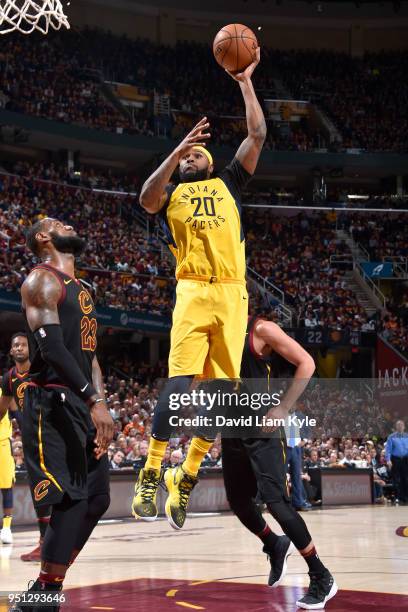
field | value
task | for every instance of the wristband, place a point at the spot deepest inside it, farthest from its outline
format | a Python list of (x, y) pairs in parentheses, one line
[(97, 401)]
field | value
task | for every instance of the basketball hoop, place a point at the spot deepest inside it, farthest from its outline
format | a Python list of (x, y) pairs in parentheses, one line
[(25, 16)]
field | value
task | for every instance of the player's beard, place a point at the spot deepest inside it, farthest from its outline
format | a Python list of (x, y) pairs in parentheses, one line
[(192, 176), (68, 244), (20, 358)]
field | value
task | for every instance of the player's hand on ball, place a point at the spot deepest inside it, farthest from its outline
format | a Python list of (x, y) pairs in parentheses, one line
[(247, 73), (104, 428), (197, 137)]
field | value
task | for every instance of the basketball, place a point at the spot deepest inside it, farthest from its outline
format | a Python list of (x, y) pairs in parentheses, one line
[(234, 47)]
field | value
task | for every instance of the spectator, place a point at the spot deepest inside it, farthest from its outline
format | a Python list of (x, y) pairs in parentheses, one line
[(142, 458), (213, 459), (176, 457), (117, 460), (396, 454)]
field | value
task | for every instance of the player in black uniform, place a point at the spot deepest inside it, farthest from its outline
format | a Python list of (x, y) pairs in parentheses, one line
[(14, 383), (64, 402), (12, 392), (260, 464)]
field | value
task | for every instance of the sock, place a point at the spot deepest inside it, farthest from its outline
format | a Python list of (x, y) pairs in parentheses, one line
[(53, 581), (42, 525), (7, 522), (74, 555), (268, 538), (313, 561), (198, 448), (157, 448)]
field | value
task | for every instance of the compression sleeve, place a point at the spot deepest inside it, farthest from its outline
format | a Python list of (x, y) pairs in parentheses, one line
[(54, 352)]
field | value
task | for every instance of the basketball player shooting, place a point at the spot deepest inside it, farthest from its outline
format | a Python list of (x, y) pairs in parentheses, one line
[(66, 425), (201, 217)]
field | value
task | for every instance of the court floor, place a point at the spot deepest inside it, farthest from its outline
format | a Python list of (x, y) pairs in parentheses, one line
[(214, 564)]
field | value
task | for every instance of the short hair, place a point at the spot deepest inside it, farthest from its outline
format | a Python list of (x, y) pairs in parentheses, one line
[(31, 241), (17, 335)]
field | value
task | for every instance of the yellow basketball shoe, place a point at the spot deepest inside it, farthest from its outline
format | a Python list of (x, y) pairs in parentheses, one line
[(179, 485), (144, 501)]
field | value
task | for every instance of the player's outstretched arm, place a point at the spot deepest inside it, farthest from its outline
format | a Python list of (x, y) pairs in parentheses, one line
[(250, 149), (40, 294), (153, 195)]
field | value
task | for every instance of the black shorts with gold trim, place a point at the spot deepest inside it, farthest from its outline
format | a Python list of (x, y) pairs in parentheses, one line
[(58, 445), (255, 467)]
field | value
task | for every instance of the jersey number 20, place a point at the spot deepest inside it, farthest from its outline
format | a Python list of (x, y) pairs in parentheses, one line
[(209, 206)]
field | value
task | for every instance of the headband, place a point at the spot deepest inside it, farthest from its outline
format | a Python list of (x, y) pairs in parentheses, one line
[(204, 151)]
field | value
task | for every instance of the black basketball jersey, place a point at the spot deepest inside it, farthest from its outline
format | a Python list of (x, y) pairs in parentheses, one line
[(258, 366), (254, 365), (77, 316), (13, 385)]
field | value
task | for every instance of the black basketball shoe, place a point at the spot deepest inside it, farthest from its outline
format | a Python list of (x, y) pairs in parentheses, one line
[(278, 558), (52, 598), (322, 587)]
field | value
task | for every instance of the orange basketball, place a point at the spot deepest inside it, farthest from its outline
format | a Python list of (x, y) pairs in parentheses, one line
[(234, 47)]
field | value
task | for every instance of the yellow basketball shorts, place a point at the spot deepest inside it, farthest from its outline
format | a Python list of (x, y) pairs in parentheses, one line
[(209, 326), (7, 465)]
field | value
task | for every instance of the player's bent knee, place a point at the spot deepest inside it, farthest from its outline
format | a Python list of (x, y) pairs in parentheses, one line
[(98, 505), (239, 504), (281, 509)]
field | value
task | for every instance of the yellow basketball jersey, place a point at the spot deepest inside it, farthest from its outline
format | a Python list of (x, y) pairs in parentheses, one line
[(6, 429), (202, 221)]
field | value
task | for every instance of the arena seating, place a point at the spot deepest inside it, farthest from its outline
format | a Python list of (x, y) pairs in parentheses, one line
[(128, 270), (365, 97), (63, 78)]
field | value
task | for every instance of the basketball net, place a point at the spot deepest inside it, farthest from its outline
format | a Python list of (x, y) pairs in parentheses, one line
[(25, 16)]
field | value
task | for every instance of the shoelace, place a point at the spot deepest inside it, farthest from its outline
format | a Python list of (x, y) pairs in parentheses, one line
[(185, 487), (149, 487)]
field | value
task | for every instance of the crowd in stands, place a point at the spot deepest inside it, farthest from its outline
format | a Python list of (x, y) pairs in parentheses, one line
[(131, 270), (365, 97), (345, 453), (48, 79), (386, 237), (125, 267), (293, 252), (230, 131), (62, 78), (394, 324), (336, 198), (82, 177)]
